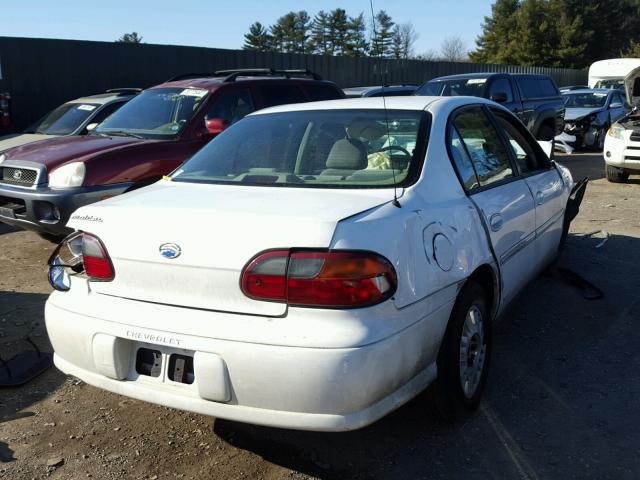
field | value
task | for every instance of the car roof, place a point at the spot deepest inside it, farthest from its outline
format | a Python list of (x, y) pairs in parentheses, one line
[(390, 103), (378, 87), (104, 98), (591, 90), (213, 83), (487, 75)]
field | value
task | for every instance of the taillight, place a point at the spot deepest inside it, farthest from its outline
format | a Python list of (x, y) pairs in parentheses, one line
[(97, 264), (308, 278)]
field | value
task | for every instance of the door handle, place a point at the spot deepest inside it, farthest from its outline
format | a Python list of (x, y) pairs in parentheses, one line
[(539, 198), (495, 222)]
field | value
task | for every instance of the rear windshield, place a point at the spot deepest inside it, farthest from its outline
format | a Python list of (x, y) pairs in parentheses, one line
[(158, 113), (330, 148), (472, 87), (65, 119), (584, 100)]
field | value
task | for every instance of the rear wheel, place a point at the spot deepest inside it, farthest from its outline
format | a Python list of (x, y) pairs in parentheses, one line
[(615, 175), (463, 361)]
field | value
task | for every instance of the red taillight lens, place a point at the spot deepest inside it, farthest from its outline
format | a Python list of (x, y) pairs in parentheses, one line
[(97, 264), (332, 279)]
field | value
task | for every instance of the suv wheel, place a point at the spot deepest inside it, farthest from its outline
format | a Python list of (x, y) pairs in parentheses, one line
[(615, 175), (463, 361), (546, 133)]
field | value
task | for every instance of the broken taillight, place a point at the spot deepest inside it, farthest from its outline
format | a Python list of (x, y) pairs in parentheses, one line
[(319, 278)]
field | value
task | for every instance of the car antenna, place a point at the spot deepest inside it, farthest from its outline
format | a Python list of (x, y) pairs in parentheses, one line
[(395, 202)]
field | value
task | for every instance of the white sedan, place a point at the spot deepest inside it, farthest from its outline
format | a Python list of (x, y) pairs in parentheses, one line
[(315, 266)]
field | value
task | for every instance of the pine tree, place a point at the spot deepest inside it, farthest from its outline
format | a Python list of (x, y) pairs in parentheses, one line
[(356, 44), (258, 39), (498, 40), (290, 32), (320, 41), (338, 30), (381, 45)]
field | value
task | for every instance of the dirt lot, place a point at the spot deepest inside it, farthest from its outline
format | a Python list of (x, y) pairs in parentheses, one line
[(563, 400)]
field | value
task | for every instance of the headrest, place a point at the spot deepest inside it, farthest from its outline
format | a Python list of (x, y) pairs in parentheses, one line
[(347, 154), (365, 129)]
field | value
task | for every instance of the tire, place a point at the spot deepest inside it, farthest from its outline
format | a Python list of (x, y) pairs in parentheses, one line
[(601, 134), (615, 175), (457, 393), (546, 133)]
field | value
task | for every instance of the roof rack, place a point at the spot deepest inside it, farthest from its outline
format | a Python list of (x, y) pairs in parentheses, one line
[(189, 76), (124, 91), (232, 75)]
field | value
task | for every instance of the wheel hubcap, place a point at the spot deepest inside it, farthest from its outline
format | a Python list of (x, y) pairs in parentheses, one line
[(473, 350)]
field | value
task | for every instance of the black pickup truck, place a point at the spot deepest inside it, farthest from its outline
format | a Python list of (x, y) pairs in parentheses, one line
[(535, 99)]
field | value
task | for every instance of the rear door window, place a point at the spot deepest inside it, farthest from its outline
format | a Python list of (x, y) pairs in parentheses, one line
[(529, 87), (482, 142), (501, 85), (232, 105), (281, 95)]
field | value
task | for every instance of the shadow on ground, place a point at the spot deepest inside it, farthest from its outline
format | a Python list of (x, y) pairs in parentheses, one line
[(21, 317), (561, 401)]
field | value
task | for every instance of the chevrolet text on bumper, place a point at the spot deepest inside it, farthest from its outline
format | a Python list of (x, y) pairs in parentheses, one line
[(323, 283)]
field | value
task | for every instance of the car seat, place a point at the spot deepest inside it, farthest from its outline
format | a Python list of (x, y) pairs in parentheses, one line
[(346, 156)]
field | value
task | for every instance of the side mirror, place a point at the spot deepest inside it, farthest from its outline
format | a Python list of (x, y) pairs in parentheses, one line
[(499, 97), (616, 105), (91, 127), (216, 125)]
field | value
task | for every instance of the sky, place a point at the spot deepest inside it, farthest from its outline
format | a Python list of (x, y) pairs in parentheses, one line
[(219, 24)]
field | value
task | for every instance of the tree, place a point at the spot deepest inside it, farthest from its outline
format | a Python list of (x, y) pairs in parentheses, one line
[(356, 44), (498, 39), (338, 30), (404, 37), (320, 39), (132, 37), (258, 39), (430, 55), (381, 44), (290, 32), (562, 33), (453, 49)]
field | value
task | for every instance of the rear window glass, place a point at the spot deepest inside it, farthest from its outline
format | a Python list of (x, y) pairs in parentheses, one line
[(322, 148), (537, 87), (473, 87)]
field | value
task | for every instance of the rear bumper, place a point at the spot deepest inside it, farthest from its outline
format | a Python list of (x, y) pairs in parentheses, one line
[(47, 210), (307, 388)]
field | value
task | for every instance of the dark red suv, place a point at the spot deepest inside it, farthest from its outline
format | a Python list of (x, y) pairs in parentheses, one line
[(41, 184)]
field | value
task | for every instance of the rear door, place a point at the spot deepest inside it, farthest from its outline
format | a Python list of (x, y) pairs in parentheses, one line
[(503, 199), (544, 183)]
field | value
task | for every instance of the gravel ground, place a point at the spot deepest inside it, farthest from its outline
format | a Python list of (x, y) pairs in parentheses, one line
[(562, 401)]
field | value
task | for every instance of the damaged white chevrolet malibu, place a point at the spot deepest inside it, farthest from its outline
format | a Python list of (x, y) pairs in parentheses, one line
[(315, 266)]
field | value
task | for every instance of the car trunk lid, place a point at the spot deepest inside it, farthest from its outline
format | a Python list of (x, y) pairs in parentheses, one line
[(214, 230)]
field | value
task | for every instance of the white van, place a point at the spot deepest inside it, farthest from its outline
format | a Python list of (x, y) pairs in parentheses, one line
[(611, 73)]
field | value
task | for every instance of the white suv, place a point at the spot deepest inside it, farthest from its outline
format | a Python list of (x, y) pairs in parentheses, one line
[(315, 266), (622, 149)]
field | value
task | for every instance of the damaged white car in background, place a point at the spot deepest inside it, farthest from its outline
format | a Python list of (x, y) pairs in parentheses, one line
[(315, 266)]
